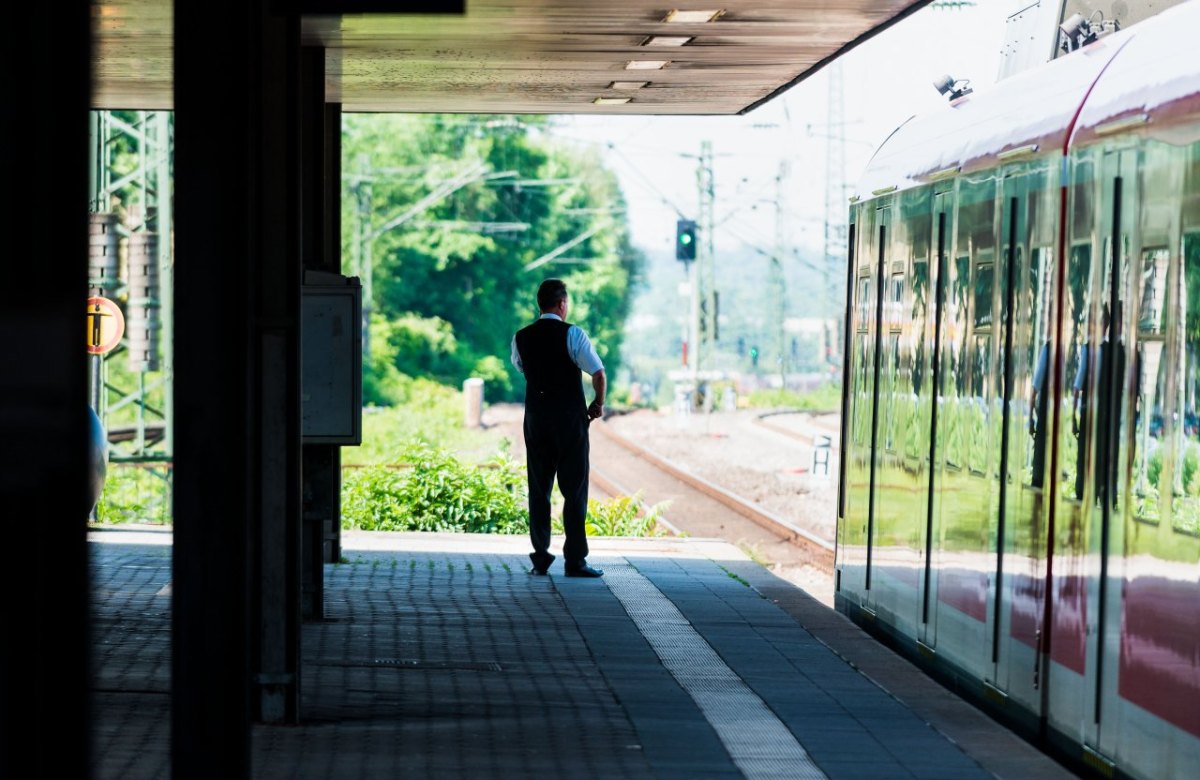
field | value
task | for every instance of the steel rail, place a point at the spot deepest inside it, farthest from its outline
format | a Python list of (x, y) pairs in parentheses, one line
[(612, 488), (761, 420), (822, 550)]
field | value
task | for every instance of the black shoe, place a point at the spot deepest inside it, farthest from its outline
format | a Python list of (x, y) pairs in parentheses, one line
[(541, 563), (581, 569)]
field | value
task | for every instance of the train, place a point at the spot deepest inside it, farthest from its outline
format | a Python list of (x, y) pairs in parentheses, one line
[(1019, 497)]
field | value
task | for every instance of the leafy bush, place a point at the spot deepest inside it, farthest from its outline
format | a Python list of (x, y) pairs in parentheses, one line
[(620, 516), (424, 346), (135, 495), (497, 384), (437, 493), (369, 499), (432, 490)]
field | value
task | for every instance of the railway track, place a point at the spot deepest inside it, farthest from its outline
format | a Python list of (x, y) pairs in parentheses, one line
[(812, 549), (766, 420)]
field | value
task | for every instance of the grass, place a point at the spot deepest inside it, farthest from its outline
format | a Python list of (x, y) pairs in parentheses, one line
[(755, 555), (825, 398), (735, 577), (437, 419)]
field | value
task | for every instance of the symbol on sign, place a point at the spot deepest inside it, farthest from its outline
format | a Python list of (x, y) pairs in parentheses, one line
[(105, 325)]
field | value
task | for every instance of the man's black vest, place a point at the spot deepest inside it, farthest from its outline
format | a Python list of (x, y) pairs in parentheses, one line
[(552, 381)]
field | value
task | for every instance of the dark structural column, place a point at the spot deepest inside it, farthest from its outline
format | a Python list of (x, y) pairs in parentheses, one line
[(321, 166), (237, 402), (44, 494)]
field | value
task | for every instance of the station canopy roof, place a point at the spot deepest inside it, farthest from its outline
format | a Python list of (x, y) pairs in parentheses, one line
[(527, 56)]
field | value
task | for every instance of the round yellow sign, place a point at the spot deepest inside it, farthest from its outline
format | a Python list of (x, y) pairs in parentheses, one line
[(105, 325)]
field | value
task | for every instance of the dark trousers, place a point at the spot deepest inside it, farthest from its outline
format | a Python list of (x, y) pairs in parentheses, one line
[(557, 445)]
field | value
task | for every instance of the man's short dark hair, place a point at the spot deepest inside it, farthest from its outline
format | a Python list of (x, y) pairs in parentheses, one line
[(550, 293)]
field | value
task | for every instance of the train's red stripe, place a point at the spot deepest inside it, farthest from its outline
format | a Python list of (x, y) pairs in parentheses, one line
[(1160, 649), (964, 589)]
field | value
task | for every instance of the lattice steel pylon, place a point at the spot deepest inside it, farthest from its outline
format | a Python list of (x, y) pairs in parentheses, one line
[(131, 158), (835, 215), (776, 277), (706, 255)]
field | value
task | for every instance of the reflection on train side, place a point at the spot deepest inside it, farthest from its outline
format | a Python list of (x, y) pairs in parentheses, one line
[(1022, 485)]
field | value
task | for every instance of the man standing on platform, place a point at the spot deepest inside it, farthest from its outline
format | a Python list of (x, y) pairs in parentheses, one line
[(550, 353)]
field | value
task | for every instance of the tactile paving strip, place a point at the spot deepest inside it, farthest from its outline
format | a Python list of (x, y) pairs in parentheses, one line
[(757, 741)]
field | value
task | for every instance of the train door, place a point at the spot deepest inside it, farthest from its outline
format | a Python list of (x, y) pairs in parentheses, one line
[(941, 227), (858, 458), (1152, 720), (1118, 218), (967, 428), (1028, 201), (883, 334), (901, 479), (1064, 662), (849, 359), (1098, 344)]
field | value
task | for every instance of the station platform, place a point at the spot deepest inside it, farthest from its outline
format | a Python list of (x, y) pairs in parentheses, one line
[(441, 657)]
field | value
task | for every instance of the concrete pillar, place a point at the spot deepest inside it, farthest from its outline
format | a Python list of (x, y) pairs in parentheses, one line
[(237, 478), (473, 403), (44, 420), (321, 167)]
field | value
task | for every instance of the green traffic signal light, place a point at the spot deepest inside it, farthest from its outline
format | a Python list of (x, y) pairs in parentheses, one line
[(685, 240)]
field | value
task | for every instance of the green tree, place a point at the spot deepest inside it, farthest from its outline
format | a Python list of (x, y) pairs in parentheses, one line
[(450, 283)]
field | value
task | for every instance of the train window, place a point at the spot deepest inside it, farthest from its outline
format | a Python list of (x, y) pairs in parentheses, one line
[(896, 302), (984, 279), (1185, 515), (892, 369), (960, 305), (1039, 289), (1151, 317), (1148, 426), (1038, 356), (863, 316), (864, 365), (920, 292), (1075, 316), (979, 407), (956, 362), (1150, 375)]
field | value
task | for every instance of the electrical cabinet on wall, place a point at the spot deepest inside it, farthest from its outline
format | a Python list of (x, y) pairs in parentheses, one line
[(331, 359)]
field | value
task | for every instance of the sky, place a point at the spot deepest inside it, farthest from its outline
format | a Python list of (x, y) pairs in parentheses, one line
[(885, 81)]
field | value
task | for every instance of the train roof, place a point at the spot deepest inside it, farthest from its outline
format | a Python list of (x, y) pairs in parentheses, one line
[(1145, 78)]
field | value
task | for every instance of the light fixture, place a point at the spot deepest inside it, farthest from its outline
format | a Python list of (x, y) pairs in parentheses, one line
[(1078, 31), (693, 17), (611, 101), (628, 84), (667, 40), (951, 87), (647, 64), (1073, 25)]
